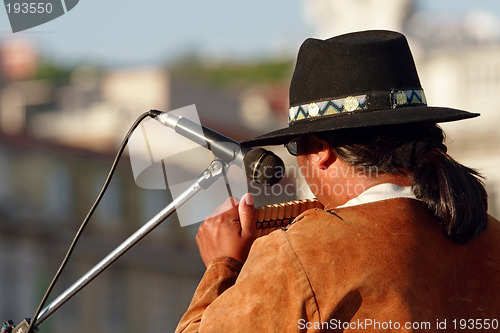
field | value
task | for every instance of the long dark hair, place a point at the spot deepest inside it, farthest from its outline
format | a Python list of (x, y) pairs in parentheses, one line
[(454, 193)]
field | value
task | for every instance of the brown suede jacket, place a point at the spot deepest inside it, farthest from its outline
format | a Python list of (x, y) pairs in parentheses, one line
[(378, 267)]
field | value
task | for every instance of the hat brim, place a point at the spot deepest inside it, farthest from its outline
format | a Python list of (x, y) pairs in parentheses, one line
[(359, 119)]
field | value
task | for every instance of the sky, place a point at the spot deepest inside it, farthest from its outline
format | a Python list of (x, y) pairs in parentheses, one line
[(121, 32)]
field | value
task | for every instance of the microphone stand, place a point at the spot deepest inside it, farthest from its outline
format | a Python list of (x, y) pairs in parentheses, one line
[(204, 180)]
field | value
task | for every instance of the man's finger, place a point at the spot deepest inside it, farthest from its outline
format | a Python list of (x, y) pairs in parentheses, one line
[(246, 211)]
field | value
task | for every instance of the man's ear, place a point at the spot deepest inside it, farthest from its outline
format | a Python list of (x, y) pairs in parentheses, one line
[(324, 156)]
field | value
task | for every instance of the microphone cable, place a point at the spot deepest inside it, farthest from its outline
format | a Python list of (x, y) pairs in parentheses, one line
[(89, 215)]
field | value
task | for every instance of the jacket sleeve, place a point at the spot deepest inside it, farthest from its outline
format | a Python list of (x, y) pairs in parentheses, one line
[(220, 275), (271, 293)]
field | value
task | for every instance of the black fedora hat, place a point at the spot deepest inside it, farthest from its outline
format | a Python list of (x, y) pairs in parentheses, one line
[(356, 80)]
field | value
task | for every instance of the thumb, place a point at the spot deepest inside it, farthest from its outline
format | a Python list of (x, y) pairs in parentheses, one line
[(246, 211)]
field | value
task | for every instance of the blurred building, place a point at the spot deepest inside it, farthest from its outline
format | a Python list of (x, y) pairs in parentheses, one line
[(46, 190), (335, 17), (57, 143), (56, 147)]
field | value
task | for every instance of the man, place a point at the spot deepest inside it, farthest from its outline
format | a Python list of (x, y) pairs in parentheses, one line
[(404, 243)]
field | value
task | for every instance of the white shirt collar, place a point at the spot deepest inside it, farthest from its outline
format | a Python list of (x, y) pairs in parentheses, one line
[(381, 192)]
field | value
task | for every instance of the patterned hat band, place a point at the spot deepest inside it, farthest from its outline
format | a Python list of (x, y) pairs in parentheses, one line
[(373, 101)]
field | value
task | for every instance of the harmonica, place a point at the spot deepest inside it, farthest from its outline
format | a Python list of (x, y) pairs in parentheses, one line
[(275, 216)]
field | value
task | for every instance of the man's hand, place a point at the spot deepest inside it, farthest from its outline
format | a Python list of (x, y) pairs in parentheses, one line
[(229, 231)]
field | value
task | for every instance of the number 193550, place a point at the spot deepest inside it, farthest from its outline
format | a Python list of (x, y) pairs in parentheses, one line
[(29, 8)]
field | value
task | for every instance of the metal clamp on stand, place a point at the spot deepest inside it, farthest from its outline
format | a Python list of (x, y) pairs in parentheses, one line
[(22, 327)]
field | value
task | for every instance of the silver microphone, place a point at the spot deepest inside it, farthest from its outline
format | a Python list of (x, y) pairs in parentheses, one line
[(262, 166)]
